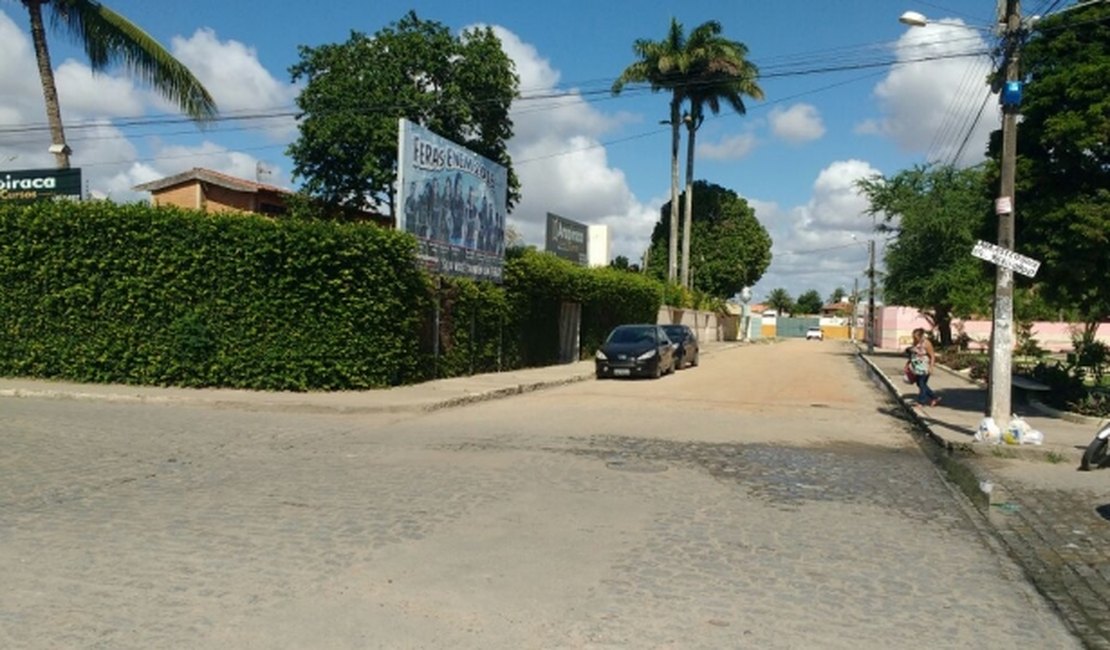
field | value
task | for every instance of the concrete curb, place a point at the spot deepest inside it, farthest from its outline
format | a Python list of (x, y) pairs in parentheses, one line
[(295, 407), (943, 453)]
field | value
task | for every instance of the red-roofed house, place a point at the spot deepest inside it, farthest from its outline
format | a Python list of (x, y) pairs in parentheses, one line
[(210, 191)]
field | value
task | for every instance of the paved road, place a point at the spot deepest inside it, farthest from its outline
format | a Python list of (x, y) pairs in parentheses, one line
[(766, 499)]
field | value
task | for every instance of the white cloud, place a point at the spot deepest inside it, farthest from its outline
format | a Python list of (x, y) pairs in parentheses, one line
[(84, 94), (822, 244), (562, 165), (797, 124), (236, 78), (729, 148), (111, 162), (929, 106)]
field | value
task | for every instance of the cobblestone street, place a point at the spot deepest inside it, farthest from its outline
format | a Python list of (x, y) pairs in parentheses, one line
[(765, 499)]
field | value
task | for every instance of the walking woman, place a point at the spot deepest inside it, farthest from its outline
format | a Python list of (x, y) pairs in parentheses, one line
[(922, 360)]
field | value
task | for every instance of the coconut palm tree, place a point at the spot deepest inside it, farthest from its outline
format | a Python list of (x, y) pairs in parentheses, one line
[(108, 38), (662, 64), (718, 70), (779, 300)]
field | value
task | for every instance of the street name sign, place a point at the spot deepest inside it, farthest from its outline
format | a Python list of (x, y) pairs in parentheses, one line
[(1006, 258)]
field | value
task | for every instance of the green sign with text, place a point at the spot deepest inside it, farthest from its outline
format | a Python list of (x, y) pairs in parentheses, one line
[(29, 185)]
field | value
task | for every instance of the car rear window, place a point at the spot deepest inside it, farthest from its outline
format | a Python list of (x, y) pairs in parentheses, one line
[(631, 334)]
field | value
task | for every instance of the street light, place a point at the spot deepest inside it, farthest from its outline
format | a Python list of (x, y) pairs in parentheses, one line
[(1002, 326), (913, 19)]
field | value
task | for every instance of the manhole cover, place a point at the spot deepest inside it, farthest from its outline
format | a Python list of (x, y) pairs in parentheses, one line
[(638, 466)]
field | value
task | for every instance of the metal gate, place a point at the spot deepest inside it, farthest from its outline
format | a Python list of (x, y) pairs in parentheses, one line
[(794, 328)]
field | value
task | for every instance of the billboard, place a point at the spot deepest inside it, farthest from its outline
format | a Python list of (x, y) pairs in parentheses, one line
[(454, 201), (29, 185), (567, 239)]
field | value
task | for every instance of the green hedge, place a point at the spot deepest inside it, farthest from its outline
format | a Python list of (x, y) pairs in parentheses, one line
[(109, 293), (537, 285), (101, 292)]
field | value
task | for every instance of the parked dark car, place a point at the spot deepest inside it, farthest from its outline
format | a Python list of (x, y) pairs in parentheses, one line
[(636, 350), (687, 352)]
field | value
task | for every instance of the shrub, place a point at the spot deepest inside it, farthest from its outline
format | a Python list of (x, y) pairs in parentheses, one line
[(133, 294)]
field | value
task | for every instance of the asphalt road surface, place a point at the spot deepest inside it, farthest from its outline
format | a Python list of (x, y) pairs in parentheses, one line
[(767, 499)]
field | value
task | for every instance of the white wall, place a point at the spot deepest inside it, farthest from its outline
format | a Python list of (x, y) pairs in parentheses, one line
[(598, 248)]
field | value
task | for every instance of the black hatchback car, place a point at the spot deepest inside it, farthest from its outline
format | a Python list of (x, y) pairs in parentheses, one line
[(687, 352), (636, 350)]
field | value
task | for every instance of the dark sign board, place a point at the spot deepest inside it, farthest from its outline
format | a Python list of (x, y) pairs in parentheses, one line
[(28, 185), (453, 200), (567, 239)]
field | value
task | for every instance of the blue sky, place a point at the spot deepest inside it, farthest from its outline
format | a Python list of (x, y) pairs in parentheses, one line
[(849, 93)]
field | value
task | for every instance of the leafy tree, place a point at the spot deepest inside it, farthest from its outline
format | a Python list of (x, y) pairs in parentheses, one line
[(355, 92), (780, 300), (108, 38), (1063, 172), (837, 295), (935, 214), (621, 263), (809, 303), (719, 71), (663, 65), (730, 248)]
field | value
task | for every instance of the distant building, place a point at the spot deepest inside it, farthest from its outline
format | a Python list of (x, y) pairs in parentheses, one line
[(211, 191), (599, 247)]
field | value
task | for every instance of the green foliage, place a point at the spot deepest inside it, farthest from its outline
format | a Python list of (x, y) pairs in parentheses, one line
[(781, 301), (538, 283), (1063, 173), (355, 92), (729, 248), (837, 295), (809, 303), (935, 214), (132, 294), (476, 329)]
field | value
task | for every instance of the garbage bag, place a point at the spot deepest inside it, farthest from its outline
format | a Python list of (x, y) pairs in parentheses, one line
[(1016, 432), (988, 431), (1032, 437)]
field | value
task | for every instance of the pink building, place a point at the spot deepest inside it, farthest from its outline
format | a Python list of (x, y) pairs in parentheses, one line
[(895, 326)]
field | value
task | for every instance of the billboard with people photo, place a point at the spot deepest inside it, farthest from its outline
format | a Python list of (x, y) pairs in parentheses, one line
[(454, 201)]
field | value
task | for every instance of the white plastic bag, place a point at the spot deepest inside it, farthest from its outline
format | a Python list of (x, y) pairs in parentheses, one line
[(1032, 437), (988, 432), (1015, 434)]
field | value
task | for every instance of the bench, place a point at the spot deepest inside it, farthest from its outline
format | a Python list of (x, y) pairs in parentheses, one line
[(1025, 385)]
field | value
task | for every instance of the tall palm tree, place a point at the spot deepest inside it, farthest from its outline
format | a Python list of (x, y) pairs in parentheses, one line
[(662, 64), (109, 38), (718, 70)]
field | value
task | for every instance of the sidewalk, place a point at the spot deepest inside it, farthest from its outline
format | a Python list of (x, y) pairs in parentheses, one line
[(415, 398), (955, 420)]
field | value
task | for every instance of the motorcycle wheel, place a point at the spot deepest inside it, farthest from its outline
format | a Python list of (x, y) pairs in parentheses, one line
[(1095, 455)]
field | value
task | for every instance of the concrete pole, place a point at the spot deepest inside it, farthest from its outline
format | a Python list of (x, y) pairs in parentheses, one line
[(1002, 327)]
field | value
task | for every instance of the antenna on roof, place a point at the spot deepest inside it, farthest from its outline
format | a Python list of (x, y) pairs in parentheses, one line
[(261, 170)]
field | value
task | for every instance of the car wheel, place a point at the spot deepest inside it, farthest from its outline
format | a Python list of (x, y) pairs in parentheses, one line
[(694, 361), (658, 371)]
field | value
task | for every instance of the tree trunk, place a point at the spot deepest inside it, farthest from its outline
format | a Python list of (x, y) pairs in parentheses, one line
[(672, 244), (49, 90), (942, 319), (689, 208)]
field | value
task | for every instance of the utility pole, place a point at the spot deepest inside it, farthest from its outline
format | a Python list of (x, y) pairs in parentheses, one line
[(871, 297), (852, 333), (1002, 327)]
